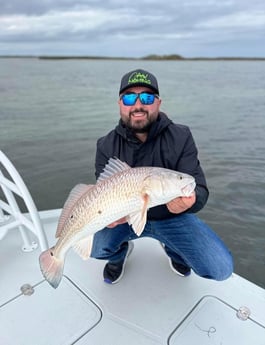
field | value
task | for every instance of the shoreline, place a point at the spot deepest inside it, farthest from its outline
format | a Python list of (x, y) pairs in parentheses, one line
[(145, 58)]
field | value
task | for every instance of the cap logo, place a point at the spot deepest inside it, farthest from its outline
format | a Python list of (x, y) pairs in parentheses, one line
[(138, 77)]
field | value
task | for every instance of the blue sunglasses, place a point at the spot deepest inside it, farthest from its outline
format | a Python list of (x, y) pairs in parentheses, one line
[(145, 98)]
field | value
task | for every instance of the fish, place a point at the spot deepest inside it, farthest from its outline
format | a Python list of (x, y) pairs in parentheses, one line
[(120, 191)]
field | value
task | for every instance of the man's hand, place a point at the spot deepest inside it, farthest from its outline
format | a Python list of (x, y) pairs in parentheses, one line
[(181, 204), (118, 222)]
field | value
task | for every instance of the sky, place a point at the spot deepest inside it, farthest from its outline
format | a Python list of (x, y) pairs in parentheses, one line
[(120, 28)]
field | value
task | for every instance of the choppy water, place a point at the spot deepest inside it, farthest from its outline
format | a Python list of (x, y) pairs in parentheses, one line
[(52, 112)]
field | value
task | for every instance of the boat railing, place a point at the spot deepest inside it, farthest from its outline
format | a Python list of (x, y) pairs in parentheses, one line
[(11, 216)]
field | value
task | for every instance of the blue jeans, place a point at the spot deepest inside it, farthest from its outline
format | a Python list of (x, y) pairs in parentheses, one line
[(187, 240)]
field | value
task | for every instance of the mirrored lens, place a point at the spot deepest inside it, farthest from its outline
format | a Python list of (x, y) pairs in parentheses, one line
[(147, 98), (129, 98)]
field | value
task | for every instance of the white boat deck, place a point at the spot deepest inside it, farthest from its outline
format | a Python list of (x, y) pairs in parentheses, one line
[(150, 305)]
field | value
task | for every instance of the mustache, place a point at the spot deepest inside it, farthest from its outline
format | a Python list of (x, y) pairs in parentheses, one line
[(138, 110)]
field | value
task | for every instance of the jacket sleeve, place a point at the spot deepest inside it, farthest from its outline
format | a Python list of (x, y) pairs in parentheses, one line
[(202, 194), (102, 157), (190, 164)]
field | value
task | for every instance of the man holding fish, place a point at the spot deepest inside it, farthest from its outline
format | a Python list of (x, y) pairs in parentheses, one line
[(145, 136), (149, 184)]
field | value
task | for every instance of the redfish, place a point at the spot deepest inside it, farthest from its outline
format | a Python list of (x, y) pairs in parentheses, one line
[(121, 191)]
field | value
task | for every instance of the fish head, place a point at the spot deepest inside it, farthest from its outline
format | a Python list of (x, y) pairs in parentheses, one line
[(164, 185)]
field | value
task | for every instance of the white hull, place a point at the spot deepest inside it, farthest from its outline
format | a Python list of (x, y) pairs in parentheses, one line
[(150, 305)]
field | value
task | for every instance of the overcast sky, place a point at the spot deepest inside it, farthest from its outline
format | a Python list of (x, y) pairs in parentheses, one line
[(191, 28)]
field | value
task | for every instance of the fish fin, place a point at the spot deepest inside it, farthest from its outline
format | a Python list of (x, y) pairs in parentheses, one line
[(113, 166), (76, 193), (51, 267), (138, 219), (84, 247)]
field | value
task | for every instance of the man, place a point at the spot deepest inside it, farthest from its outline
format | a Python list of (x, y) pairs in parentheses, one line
[(145, 136)]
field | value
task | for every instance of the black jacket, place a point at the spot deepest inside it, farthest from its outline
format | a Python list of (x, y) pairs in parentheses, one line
[(168, 145)]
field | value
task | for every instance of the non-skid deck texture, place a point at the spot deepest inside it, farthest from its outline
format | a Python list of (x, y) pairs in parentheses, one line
[(151, 305)]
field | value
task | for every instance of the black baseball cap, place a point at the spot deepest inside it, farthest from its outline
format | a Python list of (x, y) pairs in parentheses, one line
[(139, 77)]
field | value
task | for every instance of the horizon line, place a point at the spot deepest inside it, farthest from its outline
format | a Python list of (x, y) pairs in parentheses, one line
[(155, 57)]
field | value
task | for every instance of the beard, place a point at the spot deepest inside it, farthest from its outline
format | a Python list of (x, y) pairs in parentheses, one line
[(141, 125)]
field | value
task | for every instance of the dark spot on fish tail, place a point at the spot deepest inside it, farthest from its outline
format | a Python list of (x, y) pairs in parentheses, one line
[(51, 253), (99, 211), (72, 216)]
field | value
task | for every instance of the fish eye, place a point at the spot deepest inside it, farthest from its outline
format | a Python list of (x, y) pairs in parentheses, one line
[(180, 177)]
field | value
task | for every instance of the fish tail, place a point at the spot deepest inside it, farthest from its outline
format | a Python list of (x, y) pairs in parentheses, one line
[(51, 267)]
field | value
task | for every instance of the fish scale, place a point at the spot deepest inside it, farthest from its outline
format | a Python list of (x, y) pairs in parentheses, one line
[(120, 192)]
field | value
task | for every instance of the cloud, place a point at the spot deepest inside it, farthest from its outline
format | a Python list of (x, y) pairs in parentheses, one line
[(114, 28), (244, 20), (53, 24)]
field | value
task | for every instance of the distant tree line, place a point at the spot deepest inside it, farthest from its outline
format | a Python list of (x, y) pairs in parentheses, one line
[(155, 57)]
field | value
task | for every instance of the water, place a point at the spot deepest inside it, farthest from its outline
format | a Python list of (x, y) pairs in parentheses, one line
[(52, 113)]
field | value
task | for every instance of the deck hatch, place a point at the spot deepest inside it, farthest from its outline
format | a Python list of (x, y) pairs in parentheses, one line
[(215, 322), (54, 317)]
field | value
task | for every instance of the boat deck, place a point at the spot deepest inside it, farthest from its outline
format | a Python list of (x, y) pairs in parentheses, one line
[(151, 305)]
